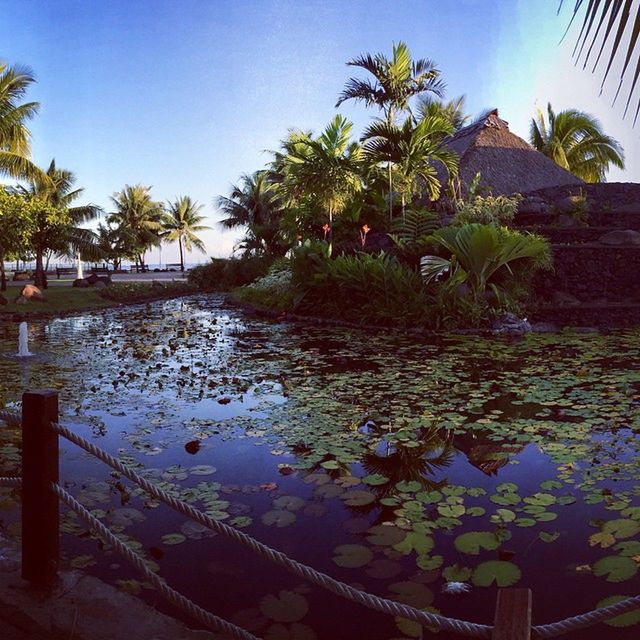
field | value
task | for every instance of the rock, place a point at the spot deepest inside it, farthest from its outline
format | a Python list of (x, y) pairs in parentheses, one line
[(93, 279), (533, 204), (566, 222), (31, 292), (571, 204), (3, 300), (510, 324), (81, 283), (564, 299), (621, 237)]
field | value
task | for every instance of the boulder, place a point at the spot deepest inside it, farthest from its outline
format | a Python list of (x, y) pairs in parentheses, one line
[(93, 279), (31, 292), (621, 237), (566, 222), (81, 283), (533, 204), (510, 324), (544, 327)]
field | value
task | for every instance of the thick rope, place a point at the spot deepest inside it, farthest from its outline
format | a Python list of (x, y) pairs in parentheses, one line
[(585, 620), (371, 601), (10, 482), (174, 597), (11, 418)]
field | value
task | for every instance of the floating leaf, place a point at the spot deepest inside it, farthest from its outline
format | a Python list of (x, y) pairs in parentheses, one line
[(415, 541), (504, 574), (289, 503), (455, 573), (429, 563), (408, 487), (81, 562), (615, 568), (385, 535), (622, 528), (626, 619), (541, 499), (413, 594), (287, 606), (352, 556), (173, 538), (196, 531), (375, 479), (358, 498), (202, 470), (548, 537), (601, 539), (473, 541), (278, 518), (451, 510)]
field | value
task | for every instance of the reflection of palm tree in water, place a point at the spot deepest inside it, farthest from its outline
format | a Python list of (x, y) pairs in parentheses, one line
[(431, 452)]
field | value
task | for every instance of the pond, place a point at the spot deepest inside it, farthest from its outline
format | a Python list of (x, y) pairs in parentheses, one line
[(392, 463)]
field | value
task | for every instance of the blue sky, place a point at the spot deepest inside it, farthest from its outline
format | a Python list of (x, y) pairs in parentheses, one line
[(186, 95)]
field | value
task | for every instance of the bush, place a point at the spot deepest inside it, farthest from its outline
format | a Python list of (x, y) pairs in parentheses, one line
[(498, 210), (273, 290), (227, 274)]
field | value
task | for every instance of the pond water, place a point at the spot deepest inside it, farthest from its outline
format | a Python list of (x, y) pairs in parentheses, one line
[(391, 463)]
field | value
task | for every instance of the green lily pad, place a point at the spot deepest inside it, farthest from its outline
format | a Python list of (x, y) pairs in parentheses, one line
[(615, 568), (451, 510), (504, 574), (352, 556), (358, 498), (385, 535), (455, 573), (622, 528), (375, 479), (408, 487), (548, 537), (429, 563), (287, 606), (473, 541), (541, 499), (289, 503), (202, 470), (626, 619), (415, 541), (414, 594), (278, 518), (173, 538)]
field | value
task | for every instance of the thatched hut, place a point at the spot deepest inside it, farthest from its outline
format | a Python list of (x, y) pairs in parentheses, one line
[(507, 164)]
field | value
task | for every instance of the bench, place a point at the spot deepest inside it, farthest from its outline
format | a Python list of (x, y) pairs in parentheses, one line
[(137, 268), (70, 271), (172, 267)]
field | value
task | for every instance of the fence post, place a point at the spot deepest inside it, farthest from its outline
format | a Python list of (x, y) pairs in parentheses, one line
[(40, 513), (513, 615)]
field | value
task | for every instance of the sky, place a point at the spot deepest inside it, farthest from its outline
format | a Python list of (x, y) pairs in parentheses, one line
[(187, 95)]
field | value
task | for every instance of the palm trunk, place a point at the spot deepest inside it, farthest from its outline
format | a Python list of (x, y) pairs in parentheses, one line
[(181, 256), (403, 216), (390, 192)]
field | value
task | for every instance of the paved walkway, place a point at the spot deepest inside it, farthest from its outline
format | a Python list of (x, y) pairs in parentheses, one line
[(163, 276)]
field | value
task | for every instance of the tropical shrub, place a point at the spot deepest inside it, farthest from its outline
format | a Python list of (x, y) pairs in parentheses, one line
[(412, 234), (499, 210), (479, 268), (226, 274), (273, 290)]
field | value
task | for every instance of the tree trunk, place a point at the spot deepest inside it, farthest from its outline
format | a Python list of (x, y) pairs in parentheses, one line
[(41, 278), (3, 275), (390, 192), (181, 256), (403, 216)]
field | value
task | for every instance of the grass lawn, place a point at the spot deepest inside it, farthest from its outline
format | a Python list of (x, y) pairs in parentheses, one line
[(59, 299)]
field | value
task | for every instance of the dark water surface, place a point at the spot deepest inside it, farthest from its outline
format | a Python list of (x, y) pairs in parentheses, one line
[(388, 462)]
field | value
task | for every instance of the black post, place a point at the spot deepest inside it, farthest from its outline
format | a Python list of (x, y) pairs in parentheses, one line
[(40, 512)]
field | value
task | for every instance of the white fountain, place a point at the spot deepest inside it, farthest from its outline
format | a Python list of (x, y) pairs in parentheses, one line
[(23, 341)]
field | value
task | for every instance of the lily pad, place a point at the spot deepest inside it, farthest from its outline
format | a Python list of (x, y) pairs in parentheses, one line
[(615, 568), (278, 518), (504, 574), (626, 619), (287, 606), (473, 541), (288, 503), (352, 556)]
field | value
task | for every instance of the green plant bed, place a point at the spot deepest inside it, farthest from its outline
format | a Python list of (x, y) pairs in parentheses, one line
[(58, 300)]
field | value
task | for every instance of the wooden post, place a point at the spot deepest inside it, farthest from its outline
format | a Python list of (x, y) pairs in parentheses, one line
[(40, 513), (513, 615)]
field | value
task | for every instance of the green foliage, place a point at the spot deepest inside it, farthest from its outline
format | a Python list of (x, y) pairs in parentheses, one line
[(274, 290), (362, 288), (412, 234), (227, 274), (498, 210)]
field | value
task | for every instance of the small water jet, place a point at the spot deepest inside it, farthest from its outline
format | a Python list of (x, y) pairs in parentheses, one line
[(23, 341)]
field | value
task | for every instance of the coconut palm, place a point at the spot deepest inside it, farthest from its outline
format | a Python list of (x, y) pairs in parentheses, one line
[(181, 223), (618, 18), (575, 141), (255, 203), (396, 81), (14, 135), (57, 222), (138, 219), (414, 152), (325, 169), (453, 110)]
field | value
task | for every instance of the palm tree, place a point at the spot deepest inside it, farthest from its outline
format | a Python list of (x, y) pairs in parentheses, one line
[(138, 219), (14, 135), (396, 81), (619, 19), (325, 169), (57, 223), (453, 110), (257, 205), (575, 141), (181, 222), (414, 152)]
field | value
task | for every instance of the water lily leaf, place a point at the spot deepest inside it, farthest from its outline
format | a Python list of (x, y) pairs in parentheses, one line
[(202, 470), (550, 485), (383, 569), (196, 531), (525, 522), (476, 492), (415, 541), (429, 497), (566, 500), (413, 594), (330, 464), (473, 541), (347, 481), (626, 619), (601, 539), (506, 499), (507, 487), (615, 568), (173, 538), (352, 556), (622, 528), (504, 574), (456, 573), (429, 563), (548, 537), (628, 548), (476, 511), (287, 606), (358, 498), (278, 518), (545, 516), (81, 562), (385, 535), (541, 499), (239, 522), (296, 631), (375, 479), (126, 516), (503, 515), (451, 510), (289, 503), (408, 487), (409, 628)]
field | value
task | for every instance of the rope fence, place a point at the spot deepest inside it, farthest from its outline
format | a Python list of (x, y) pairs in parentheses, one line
[(383, 605)]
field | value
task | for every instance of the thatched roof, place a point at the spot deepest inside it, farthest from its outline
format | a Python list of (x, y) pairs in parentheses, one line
[(507, 164)]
